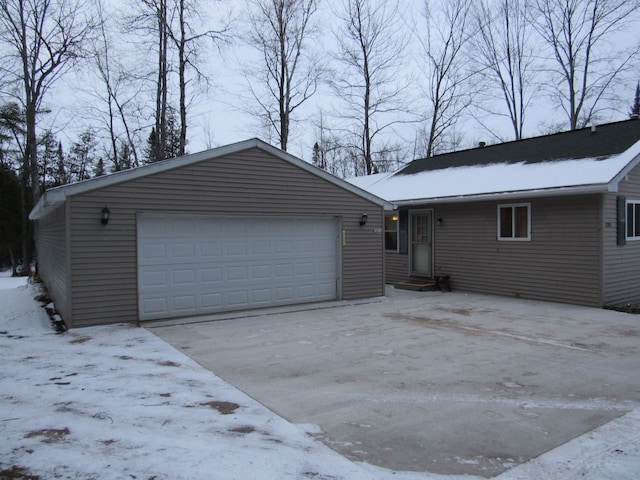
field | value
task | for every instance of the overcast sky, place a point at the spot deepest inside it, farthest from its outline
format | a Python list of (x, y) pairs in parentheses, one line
[(217, 116)]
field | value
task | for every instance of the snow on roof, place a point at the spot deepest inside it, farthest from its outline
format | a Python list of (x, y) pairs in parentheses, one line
[(447, 184), (366, 181)]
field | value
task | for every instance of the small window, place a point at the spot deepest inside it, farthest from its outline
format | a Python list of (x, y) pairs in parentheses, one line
[(391, 232), (514, 222), (633, 219)]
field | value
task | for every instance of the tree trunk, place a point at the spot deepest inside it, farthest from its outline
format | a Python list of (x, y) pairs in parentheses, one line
[(182, 54)]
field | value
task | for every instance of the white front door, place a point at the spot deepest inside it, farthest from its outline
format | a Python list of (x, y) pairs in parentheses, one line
[(197, 265), (421, 241)]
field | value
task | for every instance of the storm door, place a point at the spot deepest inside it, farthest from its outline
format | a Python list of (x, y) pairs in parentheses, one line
[(421, 235)]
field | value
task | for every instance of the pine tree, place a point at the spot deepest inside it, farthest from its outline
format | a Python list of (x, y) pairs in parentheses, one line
[(635, 108), (60, 175), (171, 147), (48, 159), (81, 156), (10, 231), (150, 151), (98, 169), (316, 155)]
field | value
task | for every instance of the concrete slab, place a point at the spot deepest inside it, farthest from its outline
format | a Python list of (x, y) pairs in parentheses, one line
[(449, 383)]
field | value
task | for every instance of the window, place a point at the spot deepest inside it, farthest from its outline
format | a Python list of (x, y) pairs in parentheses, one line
[(633, 219), (391, 232), (514, 222)]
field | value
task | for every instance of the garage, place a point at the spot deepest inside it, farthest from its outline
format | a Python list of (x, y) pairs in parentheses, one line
[(201, 265), (238, 227)]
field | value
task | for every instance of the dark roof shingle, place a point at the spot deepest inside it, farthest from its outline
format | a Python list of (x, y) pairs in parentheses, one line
[(600, 142)]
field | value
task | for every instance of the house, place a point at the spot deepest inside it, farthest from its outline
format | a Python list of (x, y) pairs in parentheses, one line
[(556, 217), (238, 227)]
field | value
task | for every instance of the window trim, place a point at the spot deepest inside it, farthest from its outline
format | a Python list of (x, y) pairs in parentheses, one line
[(630, 222), (513, 238), (397, 231)]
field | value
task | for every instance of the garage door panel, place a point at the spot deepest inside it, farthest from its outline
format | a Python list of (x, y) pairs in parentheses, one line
[(210, 274), (183, 251), (184, 303), (261, 272), (210, 250), (236, 248), (190, 266), (212, 301)]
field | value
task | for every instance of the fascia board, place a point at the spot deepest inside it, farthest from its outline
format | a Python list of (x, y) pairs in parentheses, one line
[(613, 184), (579, 190)]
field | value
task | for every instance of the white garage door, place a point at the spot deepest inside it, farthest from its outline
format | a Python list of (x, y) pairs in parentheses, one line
[(197, 265)]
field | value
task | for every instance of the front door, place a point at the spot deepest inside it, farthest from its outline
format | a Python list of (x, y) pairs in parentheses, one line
[(421, 243)]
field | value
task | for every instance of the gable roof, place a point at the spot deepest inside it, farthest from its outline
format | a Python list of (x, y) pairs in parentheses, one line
[(56, 196), (588, 160)]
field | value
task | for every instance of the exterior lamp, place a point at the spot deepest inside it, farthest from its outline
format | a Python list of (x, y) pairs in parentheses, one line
[(363, 219), (104, 217)]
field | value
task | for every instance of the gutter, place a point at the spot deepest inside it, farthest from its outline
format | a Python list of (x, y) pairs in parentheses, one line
[(580, 190)]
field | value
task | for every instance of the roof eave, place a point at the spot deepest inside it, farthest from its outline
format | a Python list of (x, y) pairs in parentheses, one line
[(511, 195), (624, 172)]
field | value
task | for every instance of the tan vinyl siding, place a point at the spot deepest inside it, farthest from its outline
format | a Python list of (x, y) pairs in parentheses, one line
[(248, 184), (396, 267), (560, 263), (52, 258), (621, 262)]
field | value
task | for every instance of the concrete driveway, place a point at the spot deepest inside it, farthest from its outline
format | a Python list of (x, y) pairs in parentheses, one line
[(449, 383)]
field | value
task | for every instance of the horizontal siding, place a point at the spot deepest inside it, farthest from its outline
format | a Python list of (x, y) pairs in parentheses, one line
[(251, 183), (621, 262), (396, 267), (52, 259), (560, 263)]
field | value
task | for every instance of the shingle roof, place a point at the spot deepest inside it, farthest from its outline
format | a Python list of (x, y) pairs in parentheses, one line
[(603, 141), (577, 162)]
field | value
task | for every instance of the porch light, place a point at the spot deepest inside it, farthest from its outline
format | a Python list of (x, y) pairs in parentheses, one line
[(439, 221), (363, 219), (104, 217)]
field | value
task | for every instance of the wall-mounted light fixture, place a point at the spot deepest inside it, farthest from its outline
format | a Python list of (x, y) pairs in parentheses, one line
[(363, 219), (439, 221), (104, 215)]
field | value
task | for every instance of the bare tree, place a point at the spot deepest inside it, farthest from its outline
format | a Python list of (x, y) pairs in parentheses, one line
[(334, 153), (44, 37), (447, 87), (187, 40), (504, 51), (577, 32), (115, 94), (371, 53), (288, 73)]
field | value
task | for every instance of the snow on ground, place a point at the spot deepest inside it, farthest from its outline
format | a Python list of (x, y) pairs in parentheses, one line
[(117, 402)]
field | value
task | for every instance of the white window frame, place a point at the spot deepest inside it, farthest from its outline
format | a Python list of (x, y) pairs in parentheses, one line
[(636, 206), (513, 238), (397, 232)]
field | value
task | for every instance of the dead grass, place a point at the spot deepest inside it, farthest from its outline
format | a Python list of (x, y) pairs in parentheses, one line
[(225, 408), (17, 473), (51, 435)]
